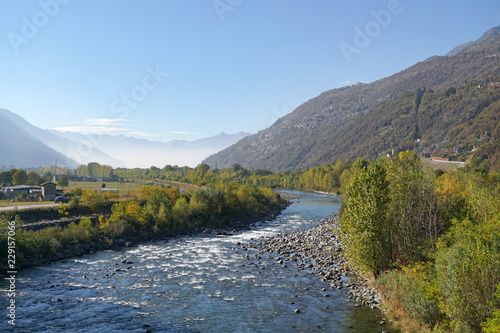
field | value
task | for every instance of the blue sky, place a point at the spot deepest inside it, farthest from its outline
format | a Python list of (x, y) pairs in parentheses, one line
[(186, 69)]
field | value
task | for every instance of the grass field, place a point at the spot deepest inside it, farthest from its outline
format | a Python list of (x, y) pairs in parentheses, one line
[(132, 188), (122, 188)]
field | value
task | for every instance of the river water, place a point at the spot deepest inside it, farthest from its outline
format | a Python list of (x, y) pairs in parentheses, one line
[(201, 283)]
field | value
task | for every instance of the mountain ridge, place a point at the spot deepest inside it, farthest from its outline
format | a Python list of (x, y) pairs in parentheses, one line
[(487, 35), (75, 151), (20, 148)]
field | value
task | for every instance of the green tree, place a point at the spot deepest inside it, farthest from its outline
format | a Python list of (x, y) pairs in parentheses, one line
[(33, 178), (181, 213), (77, 192), (48, 175), (63, 181), (364, 219), (93, 200), (413, 208), (6, 177), (19, 177), (158, 210)]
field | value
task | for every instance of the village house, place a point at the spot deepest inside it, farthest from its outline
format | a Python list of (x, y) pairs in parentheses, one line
[(47, 191), (15, 191)]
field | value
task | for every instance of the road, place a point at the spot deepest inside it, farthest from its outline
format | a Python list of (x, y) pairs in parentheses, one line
[(6, 208)]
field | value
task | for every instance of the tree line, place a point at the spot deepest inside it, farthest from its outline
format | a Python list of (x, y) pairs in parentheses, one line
[(325, 178)]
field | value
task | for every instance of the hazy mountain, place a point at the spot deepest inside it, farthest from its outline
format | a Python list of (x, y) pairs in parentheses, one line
[(77, 151), (20, 148), (369, 120), (143, 153)]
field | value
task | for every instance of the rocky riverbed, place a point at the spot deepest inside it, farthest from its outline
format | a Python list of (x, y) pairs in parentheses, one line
[(320, 249)]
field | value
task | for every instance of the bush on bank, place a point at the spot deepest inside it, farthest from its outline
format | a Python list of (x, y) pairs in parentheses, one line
[(54, 213), (166, 211)]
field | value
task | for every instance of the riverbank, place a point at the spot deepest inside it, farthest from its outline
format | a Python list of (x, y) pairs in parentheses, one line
[(320, 249), (102, 243)]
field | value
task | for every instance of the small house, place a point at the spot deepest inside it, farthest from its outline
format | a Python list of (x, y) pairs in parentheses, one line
[(15, 191), (49, 191)]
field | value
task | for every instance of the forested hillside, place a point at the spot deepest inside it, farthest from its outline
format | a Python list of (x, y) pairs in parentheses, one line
[(448, 123), (433, 101)]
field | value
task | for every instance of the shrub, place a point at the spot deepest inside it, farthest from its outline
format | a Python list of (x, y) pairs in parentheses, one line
[(411, 290), (127, 219), (492, 325), (469, 273), (74, 202)]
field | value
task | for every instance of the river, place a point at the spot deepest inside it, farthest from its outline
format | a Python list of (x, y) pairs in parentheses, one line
[(202, 283)]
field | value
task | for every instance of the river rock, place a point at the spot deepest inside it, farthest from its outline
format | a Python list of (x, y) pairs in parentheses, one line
[(320, 248)]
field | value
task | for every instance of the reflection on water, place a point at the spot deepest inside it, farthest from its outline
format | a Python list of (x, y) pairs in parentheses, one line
[(191, 284)]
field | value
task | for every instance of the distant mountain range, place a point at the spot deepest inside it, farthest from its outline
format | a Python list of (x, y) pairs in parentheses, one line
[(25, 145), (141, 153), (446, 106)]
